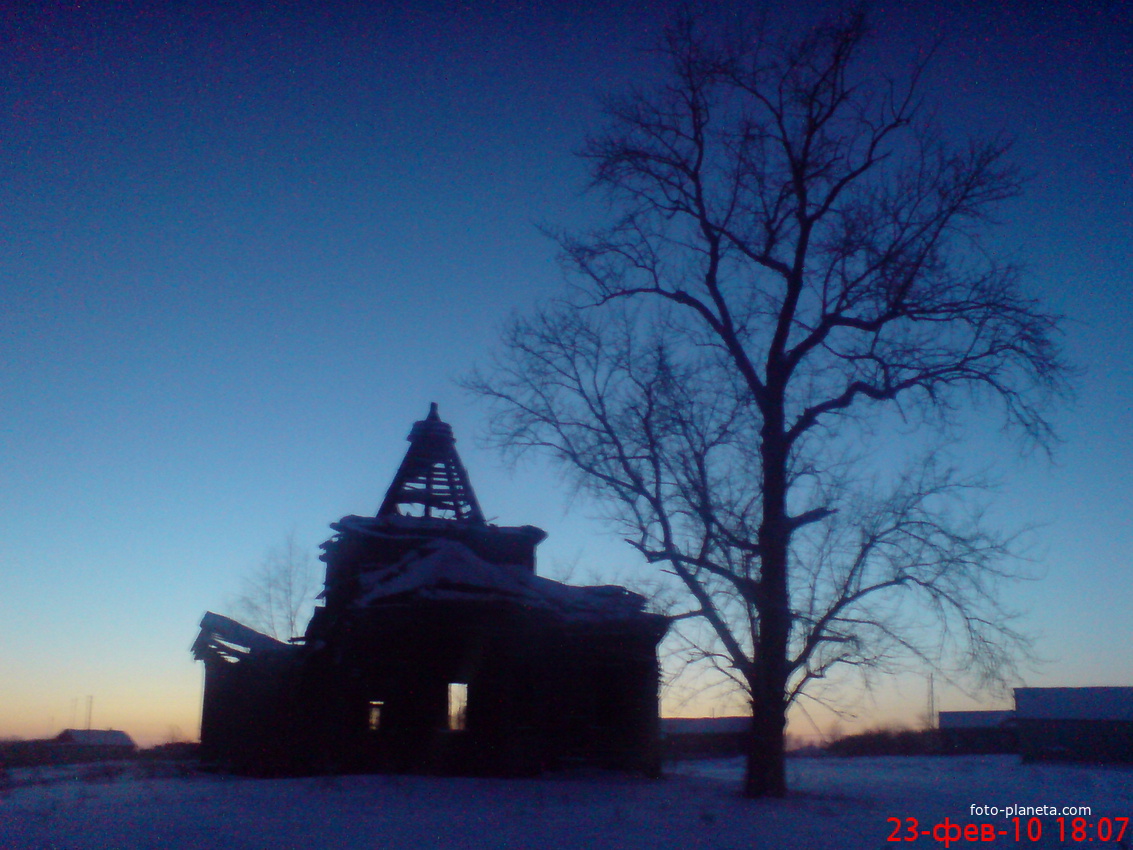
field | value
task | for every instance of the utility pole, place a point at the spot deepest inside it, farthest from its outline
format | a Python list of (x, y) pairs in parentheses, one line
[(931, 701), (90, 709)]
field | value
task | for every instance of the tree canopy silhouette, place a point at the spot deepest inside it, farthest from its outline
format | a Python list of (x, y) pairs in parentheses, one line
[(277, 598), (793, 250)]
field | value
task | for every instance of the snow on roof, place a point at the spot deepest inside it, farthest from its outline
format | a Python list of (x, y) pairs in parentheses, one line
[(96, 738), (450, 571), (1074, 703), (380, 527), (973, 719)]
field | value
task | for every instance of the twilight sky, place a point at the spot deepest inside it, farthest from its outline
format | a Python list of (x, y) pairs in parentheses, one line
[(244, 245)]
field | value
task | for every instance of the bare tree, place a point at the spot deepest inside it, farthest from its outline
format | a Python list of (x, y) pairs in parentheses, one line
[(276, 599), (794, 258)]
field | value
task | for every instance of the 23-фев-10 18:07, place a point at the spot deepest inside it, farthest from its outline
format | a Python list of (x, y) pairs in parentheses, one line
[(1032, 829)]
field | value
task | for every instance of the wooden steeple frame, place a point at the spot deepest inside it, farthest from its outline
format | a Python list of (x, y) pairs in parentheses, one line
[(432, 477)]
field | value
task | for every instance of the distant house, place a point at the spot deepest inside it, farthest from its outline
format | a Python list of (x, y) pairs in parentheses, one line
[(973, 732), (437, 649), (79, 745), (704, 737), (1075, 724), (113, 739), (92, 745), (71, 746)]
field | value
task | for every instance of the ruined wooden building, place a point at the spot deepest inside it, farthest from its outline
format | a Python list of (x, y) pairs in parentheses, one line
[(437, 648)]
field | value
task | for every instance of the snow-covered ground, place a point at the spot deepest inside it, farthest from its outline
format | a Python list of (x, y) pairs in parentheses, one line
[(839, 804)]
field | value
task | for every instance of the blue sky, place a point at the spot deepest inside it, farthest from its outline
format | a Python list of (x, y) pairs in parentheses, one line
[(243, 247)]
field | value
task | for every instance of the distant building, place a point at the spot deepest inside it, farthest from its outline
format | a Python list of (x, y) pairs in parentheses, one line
[(437, 649), (704, 737), (95, 744), (71, 746), (109, 738), (974, 732), (1075, 724)]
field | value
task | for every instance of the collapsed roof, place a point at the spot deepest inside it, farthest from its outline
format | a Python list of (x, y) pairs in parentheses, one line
[(446, 570)]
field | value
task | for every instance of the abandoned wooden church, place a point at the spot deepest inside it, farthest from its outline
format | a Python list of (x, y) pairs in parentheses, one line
[(437, 649)]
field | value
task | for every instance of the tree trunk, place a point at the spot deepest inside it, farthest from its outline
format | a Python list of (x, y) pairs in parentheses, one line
[(766, 771), (766, 774)]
